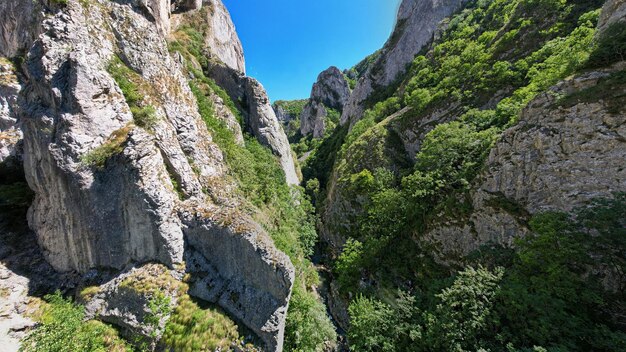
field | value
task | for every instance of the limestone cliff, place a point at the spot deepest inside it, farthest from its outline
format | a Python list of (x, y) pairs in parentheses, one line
[(567, 149), (120, 183), (259, 117), (219, 33), (330, 91), (416, 24)]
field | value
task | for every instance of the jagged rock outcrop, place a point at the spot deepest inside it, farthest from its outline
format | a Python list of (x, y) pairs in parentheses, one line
[(124, 300), (259, 117), (282, 115), (133, 206), (220, 36), (416, 24), (559, 156), (262, 122), (614, 11), (331, 90)]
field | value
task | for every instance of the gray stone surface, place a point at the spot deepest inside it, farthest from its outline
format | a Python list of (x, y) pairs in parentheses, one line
[(129, 211), (220, 36), (331, 90), (259, 117), (262, 122), (246, 260), (20, 24), (10, 133), (613, 11), (555, 158), (416, 24), (125, 301)]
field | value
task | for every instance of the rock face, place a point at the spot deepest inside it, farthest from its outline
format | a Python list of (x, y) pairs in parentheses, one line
[(134, 207), (331, 90), (416, 24), (262, 122), (556, 158), (282, 115), (18, 31), (614, 11), (259, 117), (220, 36)]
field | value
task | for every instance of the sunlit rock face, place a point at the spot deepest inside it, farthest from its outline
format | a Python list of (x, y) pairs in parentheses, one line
[(331, 90), (147, 200), (416, 24)]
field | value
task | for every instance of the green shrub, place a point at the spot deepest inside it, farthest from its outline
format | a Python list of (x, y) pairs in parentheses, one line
[(113, 146), (63, 329), (144, 116), (610, 48), (308, 328), (285, 212), (192, 327)]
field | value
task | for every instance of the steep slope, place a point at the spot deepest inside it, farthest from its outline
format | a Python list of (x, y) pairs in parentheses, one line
[(330, 91), (416, 24), (484, 168), (565, 151)]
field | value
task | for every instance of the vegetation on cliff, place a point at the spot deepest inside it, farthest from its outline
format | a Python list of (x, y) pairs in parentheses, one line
[(284, 211), (491, 60)]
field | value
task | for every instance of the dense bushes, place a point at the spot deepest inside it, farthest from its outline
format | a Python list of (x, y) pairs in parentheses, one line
[(552, 294), (611, 47), (62, 329)]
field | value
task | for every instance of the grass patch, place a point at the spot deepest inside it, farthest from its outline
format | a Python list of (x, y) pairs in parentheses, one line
[(113, 146), (63, 329), (144, 116), (88, 293), (195, 328)]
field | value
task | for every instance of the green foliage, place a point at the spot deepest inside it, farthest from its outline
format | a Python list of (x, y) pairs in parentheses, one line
[(292, 107), (285, 212), (320, 163), (129, 81), (552, 294), (307, 328), (145, 117), (197, 328), (159, 306), (113, 146), (63, 329), (370, 323), (463, 316), (348, 265), (610, 48)]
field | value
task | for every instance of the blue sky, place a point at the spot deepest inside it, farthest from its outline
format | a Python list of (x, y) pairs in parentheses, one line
[(287, 43)]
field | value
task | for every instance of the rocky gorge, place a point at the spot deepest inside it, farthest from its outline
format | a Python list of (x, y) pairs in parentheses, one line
[(466, 181)]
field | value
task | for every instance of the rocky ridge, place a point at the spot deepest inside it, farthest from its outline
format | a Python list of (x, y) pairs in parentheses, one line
[(259, 116), (416, 24), (565, 151), (330, 91)]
